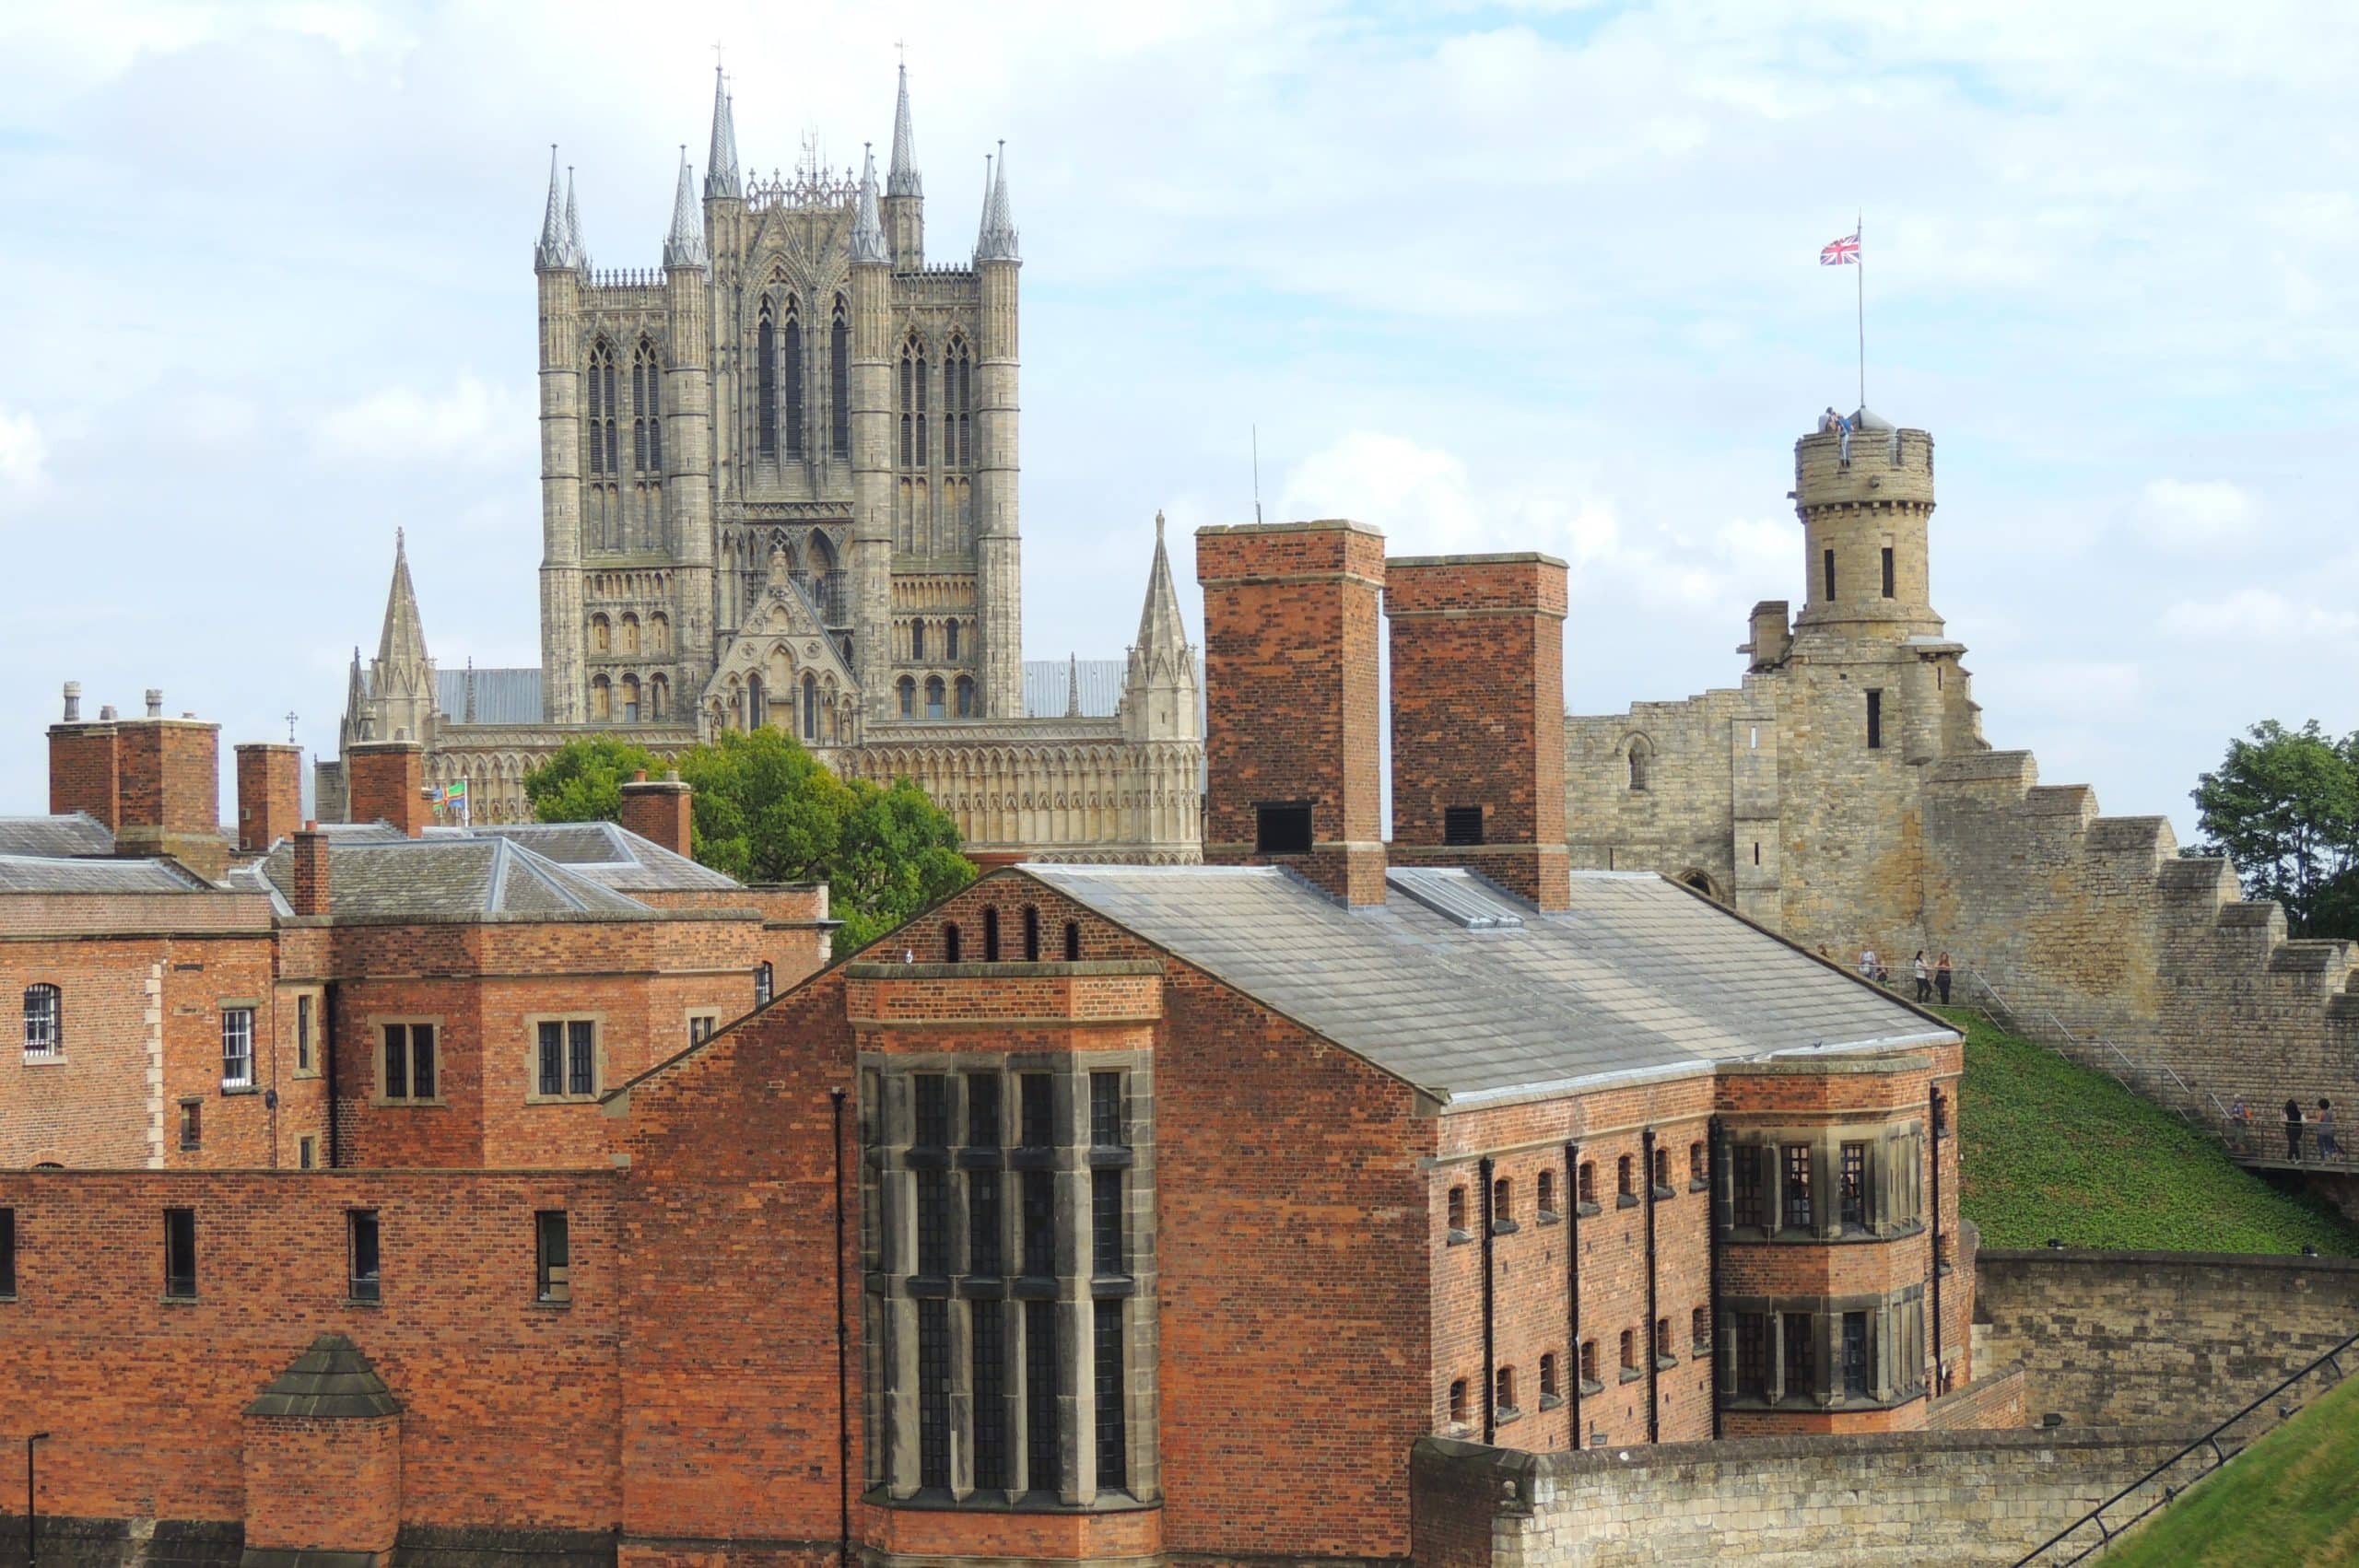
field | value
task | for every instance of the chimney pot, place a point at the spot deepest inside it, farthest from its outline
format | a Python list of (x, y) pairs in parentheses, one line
[(155, 702), (72, 702), (106, 713)]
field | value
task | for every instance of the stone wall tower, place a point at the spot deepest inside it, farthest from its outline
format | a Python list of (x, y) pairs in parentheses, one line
[(687, 418), (998, 549), (872, 455), (1866, 518), (558, 263)]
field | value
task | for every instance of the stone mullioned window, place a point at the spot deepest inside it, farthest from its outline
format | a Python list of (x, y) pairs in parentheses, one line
[(1817, 1353), (1816, 1184), (1008, 1249)]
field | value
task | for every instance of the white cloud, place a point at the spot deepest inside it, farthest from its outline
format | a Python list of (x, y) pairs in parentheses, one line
[(2258, 614), (471, 423), (23, 454), (2194, 515)]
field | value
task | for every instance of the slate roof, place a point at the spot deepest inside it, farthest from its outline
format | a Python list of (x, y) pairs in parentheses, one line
[(611, 854), (1468, 993), (1045, 681), (452, 877), (79, 834), (43, 874), (332, 1380), (502, 697)]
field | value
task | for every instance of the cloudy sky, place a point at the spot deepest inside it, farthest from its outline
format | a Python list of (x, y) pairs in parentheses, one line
[(1489, 277)]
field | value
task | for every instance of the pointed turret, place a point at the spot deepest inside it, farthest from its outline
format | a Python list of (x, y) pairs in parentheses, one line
[(554, 249), (401, 679), (1073, 686), (901, 178), (403, 638), (1160, 627), (581, 253), (1159, 700), (868, 225), (684, 245), (997, 243), (720, 164)]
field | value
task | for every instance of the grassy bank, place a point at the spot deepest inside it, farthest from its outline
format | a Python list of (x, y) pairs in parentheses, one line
[(2290, 1498), (2053, 1149)]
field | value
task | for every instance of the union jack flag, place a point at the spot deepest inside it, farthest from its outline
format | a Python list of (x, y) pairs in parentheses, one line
[(1843, 252)]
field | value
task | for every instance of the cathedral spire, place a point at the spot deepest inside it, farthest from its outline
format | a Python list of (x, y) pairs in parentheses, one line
[(403, 641), (720, 167), (997, 243), (1161, 631), (868, 227), (1073, 686), (1160, 699), (901, 180), (684, 245), (555, 249), (580, 254)]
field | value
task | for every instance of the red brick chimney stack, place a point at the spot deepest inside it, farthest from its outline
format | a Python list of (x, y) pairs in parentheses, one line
[(660, 810), (169, 778), (84, 775), (1478, 718), (270, 793), (1291, 618), (311, 886), (386, 781)]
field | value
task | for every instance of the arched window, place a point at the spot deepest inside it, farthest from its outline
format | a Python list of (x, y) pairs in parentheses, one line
[(601, 635), (45, 1022), (659, 632), (766, 383), (950, 942), (647, 410), (811, 707), (630, 700), (603, 411), (602, 698), (911, 378), (965, 696), (1544, 1198), (922, 458), (1073, 941), (950, 638), (957, 398), (908, 690), (765, 985), (917, 639), (1502, 1201), (933, 696), (757, 713), (659, 697), (1642, 755), (991, 934), (792, 355), (840, 382), (630, 632), (1031, 934)]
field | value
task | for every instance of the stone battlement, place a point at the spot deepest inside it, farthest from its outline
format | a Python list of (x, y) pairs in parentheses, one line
[(1887, 468)]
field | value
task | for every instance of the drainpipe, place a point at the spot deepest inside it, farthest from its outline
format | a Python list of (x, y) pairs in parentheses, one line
[(1719, 1147), (1490, 1348), (843, 1349), (1933, 1273), (1647, 1174), (1573, 1285)]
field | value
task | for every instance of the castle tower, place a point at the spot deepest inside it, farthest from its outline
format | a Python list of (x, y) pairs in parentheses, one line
[(904, 191), (687, 420), (1866, 502), (998, 550), (558, 263), (872, 455), (401, 678)]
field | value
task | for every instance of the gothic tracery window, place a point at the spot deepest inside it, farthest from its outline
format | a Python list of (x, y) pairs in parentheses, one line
[(810, 709), (840, 382), (766, 381), (958, 404), (793, 375)]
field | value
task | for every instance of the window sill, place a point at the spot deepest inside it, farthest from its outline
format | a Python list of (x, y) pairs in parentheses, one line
[(1698, 1350), (179, 1300), (229, 1090), (1103, 1159), (1551, 1401), (545, 1304), (44, 1058), (1627, 1200), (1591, 1387), (531, 1100), (976, 1159), (377, 1301), (1506, 1415), (1664, 1194), (1588, 1210), (1550, 1217), (434, 1105), (1665, 1364), (301, 1075), (1460, 1239), (1704, 1185), (1632, 1373), (1112, 1287), (1504, 1227)]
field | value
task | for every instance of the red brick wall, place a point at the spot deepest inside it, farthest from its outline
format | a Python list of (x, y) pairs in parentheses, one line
[(1290, 681), (84, 775), (1478, 712), (171, 775), (323, 1485), (270, 793), (383, 782), (659, 810), (146, 1397)]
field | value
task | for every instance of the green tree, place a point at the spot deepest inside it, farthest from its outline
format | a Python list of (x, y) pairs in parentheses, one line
[(2284, 806), (765, 810)]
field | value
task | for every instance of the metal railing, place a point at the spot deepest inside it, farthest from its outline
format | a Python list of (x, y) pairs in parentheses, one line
[(2210, 1444)]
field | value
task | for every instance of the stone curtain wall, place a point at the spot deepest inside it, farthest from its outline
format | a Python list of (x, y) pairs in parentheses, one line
[(1887, 1501), (2140, 1336)]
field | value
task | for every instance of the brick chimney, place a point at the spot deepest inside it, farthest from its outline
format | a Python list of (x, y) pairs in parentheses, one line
[(386, 781), (169, 780), (84, 774), (1478, 718), (1290, 746), (270, 793), (659, 810), (311, 885)]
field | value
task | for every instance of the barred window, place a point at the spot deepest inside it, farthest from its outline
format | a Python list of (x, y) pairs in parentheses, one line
[(933, 1224), (1798, 1208), (1113, 1446), (1854, 1193), (990, 1352), (566, 1057), (1458, 1398), (1749, 1205), (44, 1025), (1802, 1355), (1039, 1224), (1105, 1223), (983, 1223), (1106, 1111), (933, 1393), (1753, 1354), (1856, 1377), (236, 1047), (1042, 1472)]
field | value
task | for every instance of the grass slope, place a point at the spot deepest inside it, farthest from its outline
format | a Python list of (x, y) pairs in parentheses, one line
[(2053, 1149), (2289, 1500)]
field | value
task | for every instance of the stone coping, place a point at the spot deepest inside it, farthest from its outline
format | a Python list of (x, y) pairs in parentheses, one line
[(870, 969), (1457, 1452), (2091, 1257), (1505, 558)]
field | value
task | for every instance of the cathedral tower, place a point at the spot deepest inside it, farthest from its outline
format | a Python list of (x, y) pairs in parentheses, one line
[(558, 263), (998, 550), (873, 499), (688, 486)]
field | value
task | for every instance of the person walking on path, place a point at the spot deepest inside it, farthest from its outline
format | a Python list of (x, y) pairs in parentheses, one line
[(2329, 1147), (1924, 979), (1942, 978), (1868, 968), (2294, 1130)]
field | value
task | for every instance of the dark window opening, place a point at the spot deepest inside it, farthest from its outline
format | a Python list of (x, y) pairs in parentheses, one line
[(1588, 1184), (1749, 1206), (1041, 1396), (409, 1062), (192, 1123), (7, 1252), (1502, 1391), (360, 1232), (1699, 1331), (990, 935), (1461, 825), (1548, 1390), (1699, 1173), (1113, 1446), (1502, 1201), (1855, 1355), (1038, 1114), (990, 1394), (1456, 1208), (1828, 563), (1854, 1190), (1798, 1210), (933, 1393), (1073, 941), (1031, 934), (1875, 720), (1662, 1173), (982, 1110), (1546, 1198), (303, 1034), (950, 942), (552, 1257), (765, 985), (1282, 827), (931, 1107), (1887, 571), (1753, 1355), (568, 1057), (1624, 1182), (983, 1223), (1039, 1224), (933, 1224), (180, 1252), (1802, 1355), (1629, 1350), (1458, 1399), (43, 1033), (1106, 1224), (1106, 1111), (1662, 1338), (1588, 1361)]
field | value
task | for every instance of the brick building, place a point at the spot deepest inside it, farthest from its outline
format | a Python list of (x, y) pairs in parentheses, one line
[(1100, 1213)]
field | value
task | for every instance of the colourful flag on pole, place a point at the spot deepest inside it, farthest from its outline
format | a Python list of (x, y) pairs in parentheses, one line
[(1843, 252)]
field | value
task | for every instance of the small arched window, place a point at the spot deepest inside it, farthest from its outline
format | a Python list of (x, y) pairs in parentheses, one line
[(908, 691), (765, 985), (44, 1021), (602, 698), (917, 639), (758, 708), (1629, 1350), (1458, 1399), (950, 638), (1031, 934), (1642, 754), (1503, 1390), (630, 700), (1662, 1170), (630, 632), (1626, 1185), (1544, 1198), (1587, 1183), (990, 935), (1502, 1201), (811, 709), (601, 635), (659, 632), (933, 696), (950, 942), (965, 696), (1073, 941), (1697, 1170), (1454, 1208), (1548, 1384), (659, 697)]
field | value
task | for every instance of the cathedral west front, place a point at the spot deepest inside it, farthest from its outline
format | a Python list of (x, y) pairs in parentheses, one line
[(779, 486)]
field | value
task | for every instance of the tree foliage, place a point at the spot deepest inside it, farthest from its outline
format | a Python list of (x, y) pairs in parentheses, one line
[(2284, 806), (766, 809)]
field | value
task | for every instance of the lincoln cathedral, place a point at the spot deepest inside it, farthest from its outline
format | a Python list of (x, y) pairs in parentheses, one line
[(779, 488)]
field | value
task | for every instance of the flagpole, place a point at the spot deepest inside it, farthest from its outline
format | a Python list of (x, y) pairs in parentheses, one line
[(1857, 234)]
